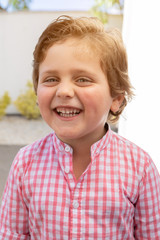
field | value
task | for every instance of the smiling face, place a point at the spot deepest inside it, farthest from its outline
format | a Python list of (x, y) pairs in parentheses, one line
[(73, 92)]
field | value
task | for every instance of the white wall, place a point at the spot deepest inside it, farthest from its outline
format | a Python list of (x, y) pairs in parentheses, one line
[(19, 32), (141, 33)]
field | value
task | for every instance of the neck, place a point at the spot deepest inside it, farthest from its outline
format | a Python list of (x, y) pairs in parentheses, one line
[(81, 160), (83, 145), (81, 153)]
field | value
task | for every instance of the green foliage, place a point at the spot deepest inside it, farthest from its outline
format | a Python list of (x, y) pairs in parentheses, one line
[(26, 103), (4, 102), (17, 5), (100, 8)]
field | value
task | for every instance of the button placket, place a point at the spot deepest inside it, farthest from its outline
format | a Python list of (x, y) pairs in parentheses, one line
[(76, 194), (74, 219), (69, 177), (75, 204), (67, 169), (76, 213), (61, 148)]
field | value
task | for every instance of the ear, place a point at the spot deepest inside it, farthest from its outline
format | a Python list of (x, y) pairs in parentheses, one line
[(117, 102)]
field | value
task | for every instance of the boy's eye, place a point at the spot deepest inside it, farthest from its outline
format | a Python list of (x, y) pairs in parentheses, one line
[(84, 81), (51, 80)]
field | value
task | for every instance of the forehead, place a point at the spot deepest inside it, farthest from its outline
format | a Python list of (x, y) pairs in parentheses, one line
[(70, 56), (81, 46)]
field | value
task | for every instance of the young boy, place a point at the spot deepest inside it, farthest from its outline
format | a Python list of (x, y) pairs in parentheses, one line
[(83, 181)]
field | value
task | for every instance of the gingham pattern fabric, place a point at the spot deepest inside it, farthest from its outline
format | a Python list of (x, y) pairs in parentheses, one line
[(116, 198)]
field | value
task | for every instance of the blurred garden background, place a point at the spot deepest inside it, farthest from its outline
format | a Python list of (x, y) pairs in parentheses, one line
[(21, 23)]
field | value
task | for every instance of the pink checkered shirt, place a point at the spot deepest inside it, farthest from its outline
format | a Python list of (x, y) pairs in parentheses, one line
[(116, 198)]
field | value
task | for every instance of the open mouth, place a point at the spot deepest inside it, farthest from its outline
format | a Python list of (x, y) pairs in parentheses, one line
[(67, 112)]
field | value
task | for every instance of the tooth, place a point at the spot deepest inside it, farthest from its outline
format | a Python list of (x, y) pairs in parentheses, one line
[(67, 112)]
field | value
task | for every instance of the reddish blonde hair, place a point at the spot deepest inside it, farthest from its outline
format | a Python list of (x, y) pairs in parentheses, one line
[(107, 44)]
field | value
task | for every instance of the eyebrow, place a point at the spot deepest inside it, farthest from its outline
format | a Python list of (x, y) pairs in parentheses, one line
[(74, 72), (82, 72), (49, 72)]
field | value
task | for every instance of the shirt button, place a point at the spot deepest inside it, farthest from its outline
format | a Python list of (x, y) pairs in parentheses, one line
[(67, 170), (70, 176), (75, 204), (67, 148)]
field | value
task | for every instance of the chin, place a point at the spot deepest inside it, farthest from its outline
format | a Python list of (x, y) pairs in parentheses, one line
[(64, 136)]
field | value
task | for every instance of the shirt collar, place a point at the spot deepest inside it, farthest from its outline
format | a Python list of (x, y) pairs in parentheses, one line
[(96, 148), (104, 142), (61, 146)]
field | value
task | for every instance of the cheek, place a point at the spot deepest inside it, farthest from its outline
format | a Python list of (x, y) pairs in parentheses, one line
[(43, 95), (96, 98), (40, 97), (87, 98)]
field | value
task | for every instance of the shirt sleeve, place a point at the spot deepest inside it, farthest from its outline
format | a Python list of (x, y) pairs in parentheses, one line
[(147, 209), (14, 213)]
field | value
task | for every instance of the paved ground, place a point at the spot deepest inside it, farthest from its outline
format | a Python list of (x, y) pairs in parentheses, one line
[(7, 154), (15, 132)]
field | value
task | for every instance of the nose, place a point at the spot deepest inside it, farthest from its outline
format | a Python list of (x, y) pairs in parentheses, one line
[(65, 90)]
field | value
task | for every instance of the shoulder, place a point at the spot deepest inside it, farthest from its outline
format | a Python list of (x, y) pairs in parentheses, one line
[(133, 161), (129, 153), (30, 153), (37, 147), (128, 147)]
